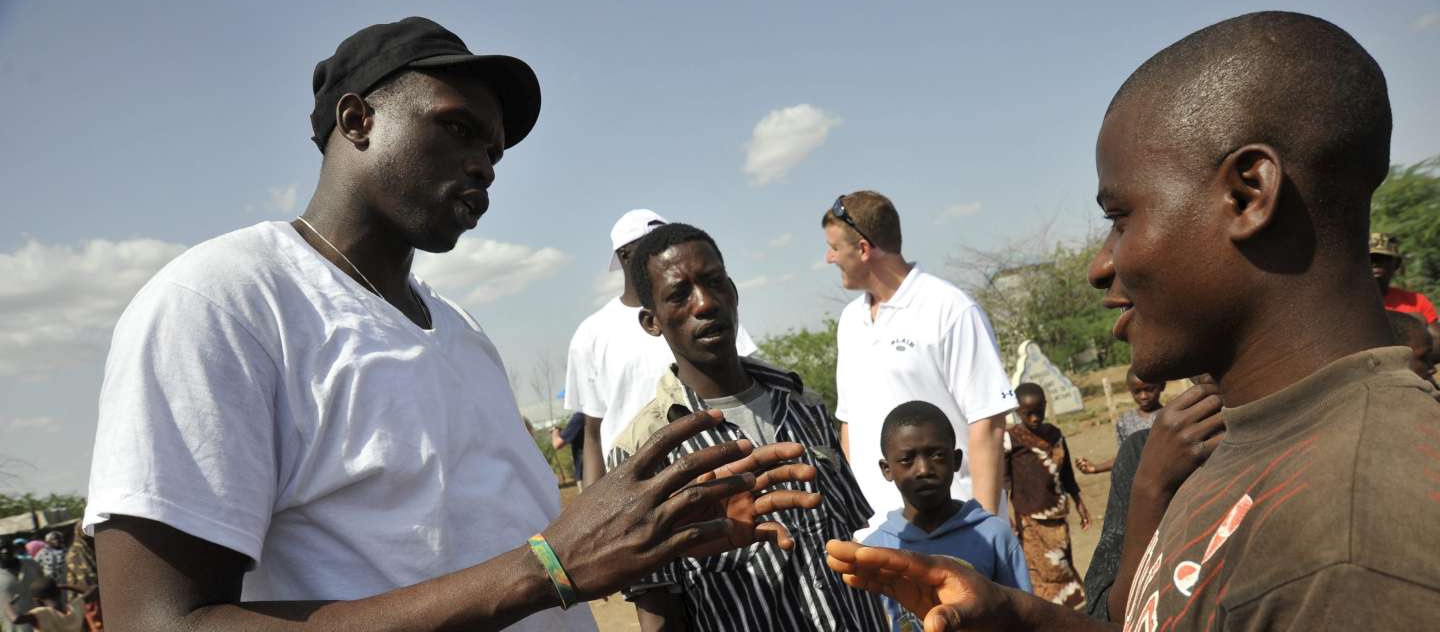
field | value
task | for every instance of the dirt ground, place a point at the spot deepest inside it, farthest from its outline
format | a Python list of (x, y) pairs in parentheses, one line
[(1090, 435)]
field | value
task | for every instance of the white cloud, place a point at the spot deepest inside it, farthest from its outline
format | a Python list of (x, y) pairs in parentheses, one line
[(607, 286), (283, 198), (784, 138), (819, 265), (1425, 22), (782, 241), (764, 280), (757, 282), (482, 270), (59, 303), (30, 424), (956, 211)]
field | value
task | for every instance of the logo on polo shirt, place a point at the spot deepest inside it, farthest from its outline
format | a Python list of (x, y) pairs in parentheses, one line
[(902, 344)]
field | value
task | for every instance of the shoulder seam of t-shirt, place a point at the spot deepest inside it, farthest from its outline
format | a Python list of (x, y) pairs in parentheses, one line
[(1302, 577), (1360, 439), (222, 309)]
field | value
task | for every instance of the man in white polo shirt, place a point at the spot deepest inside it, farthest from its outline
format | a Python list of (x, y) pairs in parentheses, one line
[(613, 364), (910, 336)]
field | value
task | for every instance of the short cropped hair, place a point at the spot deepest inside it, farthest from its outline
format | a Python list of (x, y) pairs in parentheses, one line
[(1406, 327), (876, 216), (1029, 389), (655, 242), (915, 413), (1295, 82)]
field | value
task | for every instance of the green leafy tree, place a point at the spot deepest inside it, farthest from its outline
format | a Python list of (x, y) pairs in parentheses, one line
[(809, 353), (1045, 296), (11, 505), (1407, 205)]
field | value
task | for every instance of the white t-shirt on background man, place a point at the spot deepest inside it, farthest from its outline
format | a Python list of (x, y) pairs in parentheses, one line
[(614, 366), (258, 398), (929, 342)]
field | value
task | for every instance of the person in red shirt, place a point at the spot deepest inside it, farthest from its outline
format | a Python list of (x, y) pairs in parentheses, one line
[(1385, 261)]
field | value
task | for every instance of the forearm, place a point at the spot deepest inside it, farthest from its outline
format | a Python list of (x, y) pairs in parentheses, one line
[(1033, 613), (594, 453), (489, 596), (986, 437), (1147, 507)]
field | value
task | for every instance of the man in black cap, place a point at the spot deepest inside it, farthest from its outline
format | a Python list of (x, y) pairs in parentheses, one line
[(296, 433)]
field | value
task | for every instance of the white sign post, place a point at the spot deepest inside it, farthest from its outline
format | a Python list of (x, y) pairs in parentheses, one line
[(1033, 366)]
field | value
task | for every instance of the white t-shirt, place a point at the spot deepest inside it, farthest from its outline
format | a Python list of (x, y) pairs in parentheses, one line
[(929, 342), (258, 398), (614, 365)]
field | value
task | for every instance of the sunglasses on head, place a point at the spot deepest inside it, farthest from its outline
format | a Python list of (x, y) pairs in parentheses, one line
[(838, 210)]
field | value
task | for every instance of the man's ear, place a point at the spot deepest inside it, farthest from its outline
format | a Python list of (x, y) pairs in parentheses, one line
[(353, 119), (867, 249), (647, 322), (1253, 177), (885, 469), (959, 457)]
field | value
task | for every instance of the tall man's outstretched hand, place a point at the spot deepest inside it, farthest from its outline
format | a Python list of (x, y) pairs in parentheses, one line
[(945, 593), (950, 596), (645, 513)]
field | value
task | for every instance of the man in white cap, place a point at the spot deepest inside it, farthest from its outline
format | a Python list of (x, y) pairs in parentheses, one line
[(613, 364)]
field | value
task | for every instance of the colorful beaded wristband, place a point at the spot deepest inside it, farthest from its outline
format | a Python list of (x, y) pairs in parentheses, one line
[(558, 577)]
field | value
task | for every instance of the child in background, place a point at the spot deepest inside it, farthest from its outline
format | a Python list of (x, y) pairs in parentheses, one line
[(1147, 402), (918, 443), (1039, 479)]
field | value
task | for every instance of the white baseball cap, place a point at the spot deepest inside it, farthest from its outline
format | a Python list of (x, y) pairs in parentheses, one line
[(631, 226)]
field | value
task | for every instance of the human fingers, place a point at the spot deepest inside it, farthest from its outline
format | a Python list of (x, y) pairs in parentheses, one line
[(944, 618), (1208, 446), (699, 496), (774, 533), (765, 457), (1190, 396), (686, 469), (647, 459), (841, 551), (794, 472), (705, 535), (785, 499), (1202, 408), (1201, 438), (898, 563), (1210, 426)]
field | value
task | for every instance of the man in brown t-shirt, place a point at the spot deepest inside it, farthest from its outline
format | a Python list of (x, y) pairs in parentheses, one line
[(1312, 514), (1236, 169)]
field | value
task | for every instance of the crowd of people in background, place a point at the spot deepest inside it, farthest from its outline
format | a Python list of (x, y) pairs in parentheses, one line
[(50, 585), (296, 433)]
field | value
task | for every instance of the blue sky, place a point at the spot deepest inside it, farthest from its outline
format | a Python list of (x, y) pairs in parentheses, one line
[(134, 131)]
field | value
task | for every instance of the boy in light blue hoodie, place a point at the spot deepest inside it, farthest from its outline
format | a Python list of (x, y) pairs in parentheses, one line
[(918, 444)]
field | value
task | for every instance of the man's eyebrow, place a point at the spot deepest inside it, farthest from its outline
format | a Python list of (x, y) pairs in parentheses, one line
[(483, 125)]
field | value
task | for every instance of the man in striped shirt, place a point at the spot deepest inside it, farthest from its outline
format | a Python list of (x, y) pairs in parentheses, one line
[(688, 298)]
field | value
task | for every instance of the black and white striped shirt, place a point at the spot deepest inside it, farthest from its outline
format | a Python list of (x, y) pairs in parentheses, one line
[(762, 587)]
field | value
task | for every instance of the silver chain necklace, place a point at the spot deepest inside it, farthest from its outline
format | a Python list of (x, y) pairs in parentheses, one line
[(371, 286)]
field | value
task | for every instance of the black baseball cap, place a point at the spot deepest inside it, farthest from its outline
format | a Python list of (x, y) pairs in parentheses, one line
[(375, 52)]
